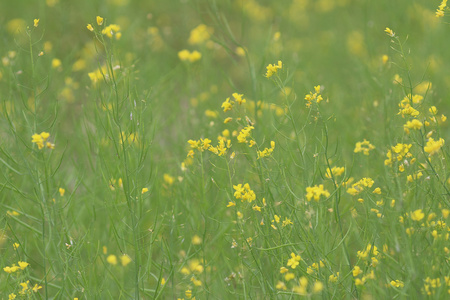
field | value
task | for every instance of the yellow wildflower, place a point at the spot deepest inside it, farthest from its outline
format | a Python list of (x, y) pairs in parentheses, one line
[(389, 32), (273, 69), (99, 20), (315, 192), (112, 259)]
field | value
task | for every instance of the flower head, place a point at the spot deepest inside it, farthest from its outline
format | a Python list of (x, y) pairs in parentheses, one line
[(273, 69), (99, 20), (389, 32)]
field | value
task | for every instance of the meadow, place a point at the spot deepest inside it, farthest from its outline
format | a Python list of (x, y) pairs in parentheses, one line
[(232, 149)]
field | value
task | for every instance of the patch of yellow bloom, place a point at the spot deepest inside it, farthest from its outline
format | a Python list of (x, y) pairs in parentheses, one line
[(441, 9), (186, 55), (364, 147), (40, 139), (389, 32), (315, 97), (315, 192), (244, 192), (267, 151), (433, 146), (111, 31), (200, 34), (273, 69)]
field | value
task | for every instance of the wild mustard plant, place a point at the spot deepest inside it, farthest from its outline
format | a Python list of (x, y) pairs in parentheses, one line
[(266, 151)]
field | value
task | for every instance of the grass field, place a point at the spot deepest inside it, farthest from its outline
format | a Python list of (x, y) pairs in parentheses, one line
[(232, 149)]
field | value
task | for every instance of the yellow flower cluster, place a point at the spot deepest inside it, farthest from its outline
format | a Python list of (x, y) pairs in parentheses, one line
[(186, 55), (222, 146), (414, 124), (313, 97), (205, 144), (431, 284), (124, 260), (200, 145), (441, 9), (294, 261), (315, 192), (389, 32), (364, 147), (335, 171), (244, 192), (359, 186), (41, 140), (21, 266), (26, 290), (111, 31), (433, 146), (267, 151), (193, 266), (244, 134), (361, 281), (397, 283), (417, 215), (113, 184), (405, 106), (398, 152), (411, 178), (227, 105), (273, 69), (200, 34), (363, 255)]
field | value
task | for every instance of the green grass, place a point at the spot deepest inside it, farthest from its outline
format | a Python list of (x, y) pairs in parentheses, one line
[(124, 207)]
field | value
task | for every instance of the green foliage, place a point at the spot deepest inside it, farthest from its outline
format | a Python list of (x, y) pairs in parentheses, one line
[(224, 149)]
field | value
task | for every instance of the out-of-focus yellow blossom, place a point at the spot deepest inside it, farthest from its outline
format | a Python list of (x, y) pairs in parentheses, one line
[(417, 215), (89, 27), (36, 22), (411, 178), (200, 34), (389, 32), (99, 20), (356, 271), (315, 192), (365, 147), (125, 260), (433, 146), (112, 259), (281, 286), (333, 278), (111, 31), (441, 9), (15, 26), (317, 287), (335, 171), (168, 179), (267, 151), (186, 55), (359, 186), (294, 261), (414, 124), (196, 240)]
